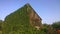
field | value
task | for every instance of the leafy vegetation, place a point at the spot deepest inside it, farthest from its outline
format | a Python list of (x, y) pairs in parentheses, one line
[(18, 23), (1, 26), (56, 25)]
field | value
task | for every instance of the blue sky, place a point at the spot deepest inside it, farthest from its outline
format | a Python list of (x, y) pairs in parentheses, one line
[(48, 10)]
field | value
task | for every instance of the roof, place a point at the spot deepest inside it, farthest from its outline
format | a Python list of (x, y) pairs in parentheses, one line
[(28, 5)]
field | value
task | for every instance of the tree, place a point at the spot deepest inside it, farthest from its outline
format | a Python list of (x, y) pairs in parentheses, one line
[(1, 25), (56, 25)]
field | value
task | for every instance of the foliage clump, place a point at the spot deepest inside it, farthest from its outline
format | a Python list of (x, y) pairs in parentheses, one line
[(18, 23)]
